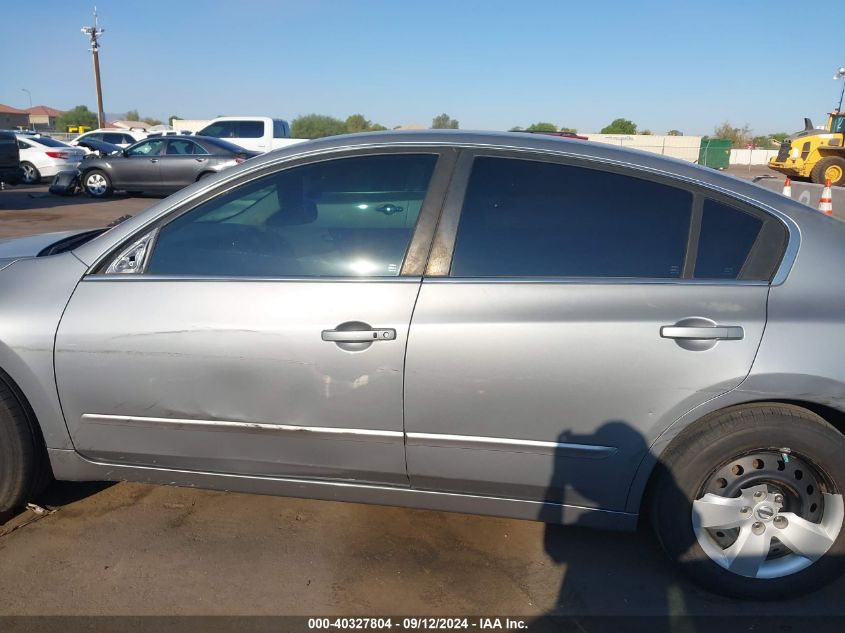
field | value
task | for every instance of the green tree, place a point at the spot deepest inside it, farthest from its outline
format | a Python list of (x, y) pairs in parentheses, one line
[(780, 137), (357, 123), (740, 136), (569, 130), (620, 126), (173, 118), (377, 127), (80, 115), (646, 132), (541, 126), (674, 133), (444, 122), (150, 120), (316, 126), (516, 129), (133, 115)]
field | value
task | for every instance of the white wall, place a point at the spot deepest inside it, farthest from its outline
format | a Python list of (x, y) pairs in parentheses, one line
[(190, 125), (752, 156), (682, 147)]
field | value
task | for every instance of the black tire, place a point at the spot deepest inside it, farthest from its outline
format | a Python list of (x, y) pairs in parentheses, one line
[(24, 467), (717, 441), (818, 175), (31, 175), (103, 187)]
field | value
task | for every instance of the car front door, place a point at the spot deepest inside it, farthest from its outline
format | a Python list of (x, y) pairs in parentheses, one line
[(140, 166), (569, 316), (266, 331), (182, 163)]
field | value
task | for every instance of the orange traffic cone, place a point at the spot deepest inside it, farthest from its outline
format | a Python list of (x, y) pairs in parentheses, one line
[(787, 187), (826, 201)]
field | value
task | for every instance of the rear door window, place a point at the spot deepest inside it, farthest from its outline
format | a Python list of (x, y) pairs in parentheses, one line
[(528, 218)]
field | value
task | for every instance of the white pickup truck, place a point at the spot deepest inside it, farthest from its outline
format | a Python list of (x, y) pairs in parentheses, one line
[(257, 133)]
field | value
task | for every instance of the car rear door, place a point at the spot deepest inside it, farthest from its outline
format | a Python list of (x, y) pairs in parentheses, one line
[(182, 163), (266, 331), (569, 314)]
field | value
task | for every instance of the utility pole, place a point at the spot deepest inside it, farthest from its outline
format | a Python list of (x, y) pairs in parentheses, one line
[(93, 32)]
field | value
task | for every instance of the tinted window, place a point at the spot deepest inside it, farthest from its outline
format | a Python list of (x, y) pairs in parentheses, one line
[(250, 129), (49, 142), (112, 137), (279, 129), (96, 137), (23, 144), (182, 147), (221, 129), (147, 148), (529, 218), (346, 217), (727, 235)]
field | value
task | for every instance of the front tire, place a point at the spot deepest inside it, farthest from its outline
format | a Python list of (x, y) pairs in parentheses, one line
[(31, 175), (748, 502), (97, 184), (831, 168), (24, 468)]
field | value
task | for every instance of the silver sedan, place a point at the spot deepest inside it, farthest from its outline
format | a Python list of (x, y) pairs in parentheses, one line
[(502, 324)]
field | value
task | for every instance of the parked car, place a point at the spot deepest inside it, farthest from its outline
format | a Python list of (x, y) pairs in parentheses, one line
[(257, 133), (160, 165), (119, 137), (501, 324), (10, 163), (44, 157)]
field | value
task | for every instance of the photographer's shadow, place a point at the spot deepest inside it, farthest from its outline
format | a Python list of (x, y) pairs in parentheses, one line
[(605, 573)]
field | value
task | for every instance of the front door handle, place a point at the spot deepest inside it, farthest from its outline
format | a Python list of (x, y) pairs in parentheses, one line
[(714, 333), (359, 336), (154, 160)]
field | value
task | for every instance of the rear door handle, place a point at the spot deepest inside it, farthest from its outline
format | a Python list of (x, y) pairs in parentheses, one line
[(359, 336), (154, 160), (719, 332)]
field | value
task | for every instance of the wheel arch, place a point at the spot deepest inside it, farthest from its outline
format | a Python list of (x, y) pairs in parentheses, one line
[(642, 484)]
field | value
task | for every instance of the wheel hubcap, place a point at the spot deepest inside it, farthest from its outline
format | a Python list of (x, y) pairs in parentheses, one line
[(766, 515), (28, 173), (833, 173), (96, 184)]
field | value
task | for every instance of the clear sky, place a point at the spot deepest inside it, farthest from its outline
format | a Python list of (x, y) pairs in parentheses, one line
[(491, 64)]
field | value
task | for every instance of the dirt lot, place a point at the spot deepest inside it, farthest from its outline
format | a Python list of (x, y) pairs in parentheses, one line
[(27, 210), (135, 549)]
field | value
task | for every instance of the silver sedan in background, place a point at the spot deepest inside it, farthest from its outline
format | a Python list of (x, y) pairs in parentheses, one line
[(504, 324)]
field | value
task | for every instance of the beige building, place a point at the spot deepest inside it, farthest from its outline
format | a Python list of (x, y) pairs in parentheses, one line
[(42, 117)]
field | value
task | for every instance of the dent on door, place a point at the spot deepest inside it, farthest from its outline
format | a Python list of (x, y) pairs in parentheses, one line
[(237, 377)]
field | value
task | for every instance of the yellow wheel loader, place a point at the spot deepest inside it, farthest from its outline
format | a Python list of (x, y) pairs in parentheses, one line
[(815, 155)]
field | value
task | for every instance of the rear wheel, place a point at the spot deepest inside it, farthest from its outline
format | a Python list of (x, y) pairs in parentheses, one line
[(24, 468), (97, 184), (749, 502), (31, 175), (831, 168)]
